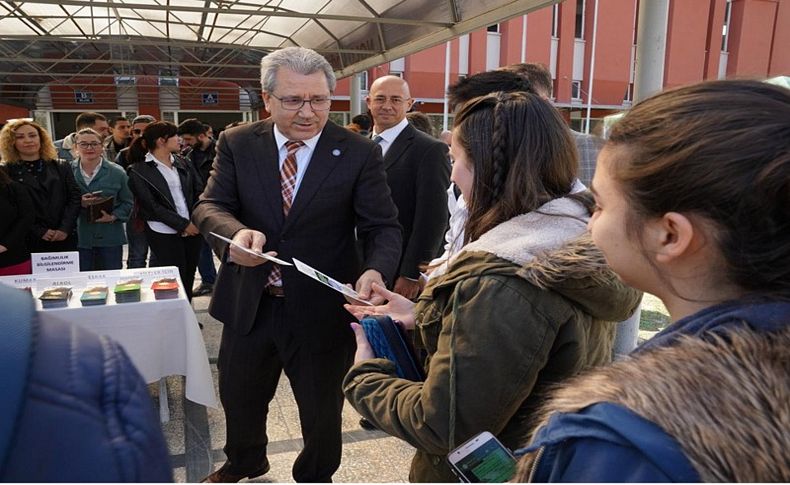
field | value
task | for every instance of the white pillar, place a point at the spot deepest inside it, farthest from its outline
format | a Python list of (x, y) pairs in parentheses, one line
[(445, 114), (592, 68), (524, 38), (355, 96), (651, 45)]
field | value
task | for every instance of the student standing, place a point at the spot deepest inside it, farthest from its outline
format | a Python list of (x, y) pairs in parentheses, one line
[(693, 205), (100, 242), (16, 217), (31, 160), (167, 189), (527, 302)]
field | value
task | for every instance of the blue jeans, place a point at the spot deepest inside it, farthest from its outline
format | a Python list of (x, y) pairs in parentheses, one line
[(138, 248), (98, 259), (208, 273)]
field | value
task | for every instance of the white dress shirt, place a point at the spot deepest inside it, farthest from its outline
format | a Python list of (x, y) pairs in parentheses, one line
[(303, 155), (174, 184), (388, 136), (88, 177)]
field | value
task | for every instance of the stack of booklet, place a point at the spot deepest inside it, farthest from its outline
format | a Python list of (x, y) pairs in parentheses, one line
[(94, 296), (55, 297), (165, 288), (128, 291), (99, 204)]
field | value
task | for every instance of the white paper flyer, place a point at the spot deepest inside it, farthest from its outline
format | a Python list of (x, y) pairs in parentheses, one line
[(248, 250), (330, 282)]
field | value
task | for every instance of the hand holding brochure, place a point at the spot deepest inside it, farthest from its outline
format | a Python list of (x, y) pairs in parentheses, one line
[(330, 282), (253, 252)]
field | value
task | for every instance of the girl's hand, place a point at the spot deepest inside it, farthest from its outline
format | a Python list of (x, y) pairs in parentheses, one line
[(364, 350), (397, 307)]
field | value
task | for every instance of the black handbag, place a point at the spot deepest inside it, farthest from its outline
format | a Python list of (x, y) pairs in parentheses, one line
[(389, 341)]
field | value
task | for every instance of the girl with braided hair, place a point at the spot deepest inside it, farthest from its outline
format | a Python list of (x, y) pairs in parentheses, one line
[(528, 301)]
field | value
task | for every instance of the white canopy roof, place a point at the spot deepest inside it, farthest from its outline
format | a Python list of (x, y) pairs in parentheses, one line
[(45, 41)]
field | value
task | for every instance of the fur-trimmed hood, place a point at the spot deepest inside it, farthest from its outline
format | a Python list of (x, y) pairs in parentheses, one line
[(551, 249), (724, 401)]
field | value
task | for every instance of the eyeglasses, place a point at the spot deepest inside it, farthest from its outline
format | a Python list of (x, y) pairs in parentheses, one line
[(93, 145), (395, 100), (295, 103)]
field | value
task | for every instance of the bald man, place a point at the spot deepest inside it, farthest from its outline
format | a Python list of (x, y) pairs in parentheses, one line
[(418, 174)]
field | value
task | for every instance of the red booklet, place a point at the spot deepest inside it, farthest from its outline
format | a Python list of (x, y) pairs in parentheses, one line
[(165, 288)]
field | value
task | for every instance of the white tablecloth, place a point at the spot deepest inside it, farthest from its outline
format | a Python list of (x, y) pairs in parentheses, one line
[(161, 337)]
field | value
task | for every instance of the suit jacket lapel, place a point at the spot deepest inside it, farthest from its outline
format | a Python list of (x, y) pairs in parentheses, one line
[(266, 159), (399, 145), (328, 152)]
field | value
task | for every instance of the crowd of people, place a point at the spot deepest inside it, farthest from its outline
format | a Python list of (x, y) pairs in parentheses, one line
[(49, 187), (509, 253)]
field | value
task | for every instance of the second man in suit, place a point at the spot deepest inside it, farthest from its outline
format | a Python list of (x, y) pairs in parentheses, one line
[(418, 174)]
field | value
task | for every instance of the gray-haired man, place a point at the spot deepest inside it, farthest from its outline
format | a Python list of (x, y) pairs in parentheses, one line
[(299, 185)]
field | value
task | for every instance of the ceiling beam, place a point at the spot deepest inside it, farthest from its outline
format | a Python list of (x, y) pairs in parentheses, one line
[(131, 40), (109, 74), (241, 11)]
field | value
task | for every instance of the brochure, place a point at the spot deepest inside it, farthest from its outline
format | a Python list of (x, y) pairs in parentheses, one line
[(248, 250), (330, 282)]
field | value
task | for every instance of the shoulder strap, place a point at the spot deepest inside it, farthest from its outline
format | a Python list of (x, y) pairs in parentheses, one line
[(16, 331)]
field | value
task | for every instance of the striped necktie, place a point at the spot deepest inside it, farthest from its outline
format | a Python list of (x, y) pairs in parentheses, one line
[(287, 187)]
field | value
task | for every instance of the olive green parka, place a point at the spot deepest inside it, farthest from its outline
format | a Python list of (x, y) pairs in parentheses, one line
[(528, 304)]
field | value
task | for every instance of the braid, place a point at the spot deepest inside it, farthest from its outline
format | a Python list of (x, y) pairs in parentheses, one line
[(499, 145)]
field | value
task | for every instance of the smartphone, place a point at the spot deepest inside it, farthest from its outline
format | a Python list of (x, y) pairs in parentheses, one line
[(96, 193), (483, 459)]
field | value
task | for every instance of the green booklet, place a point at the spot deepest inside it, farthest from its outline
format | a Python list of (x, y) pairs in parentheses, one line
[(128, 291), (94, 296), (127, 286)]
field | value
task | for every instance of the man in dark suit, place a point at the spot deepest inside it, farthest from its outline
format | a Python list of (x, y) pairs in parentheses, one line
[(297, 185), (418, 174)]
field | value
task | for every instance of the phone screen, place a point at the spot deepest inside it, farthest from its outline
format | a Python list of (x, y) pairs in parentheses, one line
[(489, 463)]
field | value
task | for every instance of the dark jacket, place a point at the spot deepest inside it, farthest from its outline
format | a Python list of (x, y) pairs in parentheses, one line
[(55, 194), (202, 160), (705, 400), (122, 159), (528, 304), (344, 189), (418, 174), (84, 413), (153, 194), (16, 217)]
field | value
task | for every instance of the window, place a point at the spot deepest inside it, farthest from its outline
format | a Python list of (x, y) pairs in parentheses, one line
[(576, 90), (493, 28), (168, 77), (363, 81), (725, 30), (397, 66), (125, 80), (579, 33), (555, 19)]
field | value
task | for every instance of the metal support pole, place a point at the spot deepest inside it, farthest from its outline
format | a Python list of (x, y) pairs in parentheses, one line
[(355, 96), (524, 38), (446, 112), (592, 68), (651, 45)]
